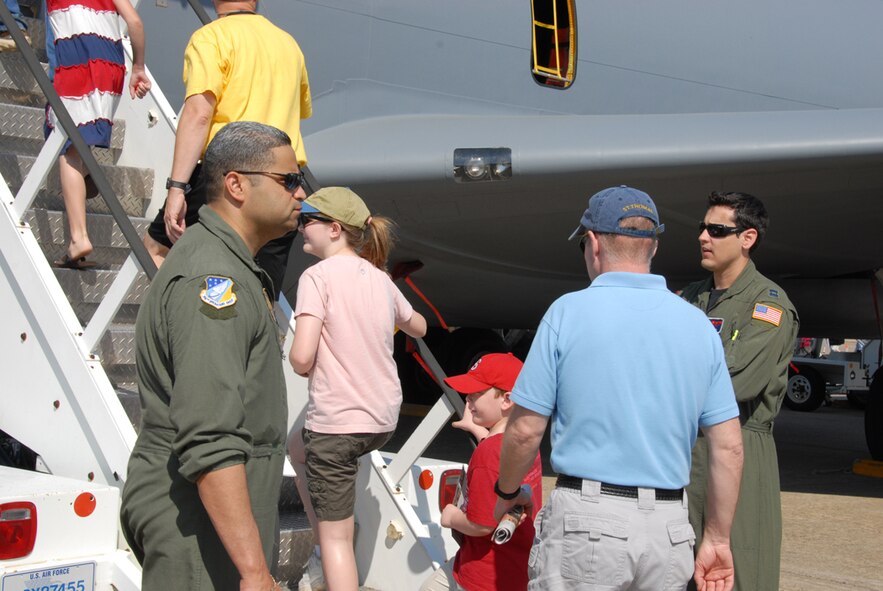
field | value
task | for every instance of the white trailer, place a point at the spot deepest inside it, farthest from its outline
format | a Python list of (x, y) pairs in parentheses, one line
[(812, 378)]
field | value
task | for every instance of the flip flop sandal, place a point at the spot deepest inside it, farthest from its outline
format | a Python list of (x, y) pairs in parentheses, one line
[(80, 264)]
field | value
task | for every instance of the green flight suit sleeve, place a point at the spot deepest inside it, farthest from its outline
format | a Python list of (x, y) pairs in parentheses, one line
[(758, 352), (209, 355)]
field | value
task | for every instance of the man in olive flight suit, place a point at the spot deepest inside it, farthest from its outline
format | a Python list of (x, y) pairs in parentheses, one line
[(757, 324), (199, 506)]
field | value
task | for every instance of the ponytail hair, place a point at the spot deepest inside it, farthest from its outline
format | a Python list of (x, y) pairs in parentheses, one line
[(374, 242)]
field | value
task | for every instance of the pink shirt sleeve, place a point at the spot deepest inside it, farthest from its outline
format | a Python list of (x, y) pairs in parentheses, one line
[(403, 308), (311, 295)]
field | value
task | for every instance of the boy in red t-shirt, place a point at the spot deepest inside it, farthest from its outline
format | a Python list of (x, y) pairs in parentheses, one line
[(480, 564)]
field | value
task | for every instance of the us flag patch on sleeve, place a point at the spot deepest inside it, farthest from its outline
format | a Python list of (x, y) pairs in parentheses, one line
[(767, 314)]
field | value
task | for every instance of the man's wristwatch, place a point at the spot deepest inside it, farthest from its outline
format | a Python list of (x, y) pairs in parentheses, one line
[(504, 495), (170, 184)]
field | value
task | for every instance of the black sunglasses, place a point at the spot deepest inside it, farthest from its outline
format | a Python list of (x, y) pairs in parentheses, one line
[(308, 218), (719, 230), (290, 180), (582, 244)]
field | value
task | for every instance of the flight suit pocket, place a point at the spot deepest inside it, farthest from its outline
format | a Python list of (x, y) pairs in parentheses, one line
[(680, 562), (595, 548)]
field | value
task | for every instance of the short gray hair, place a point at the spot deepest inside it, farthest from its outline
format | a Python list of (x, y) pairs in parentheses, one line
[(241, 145), (621, 248)]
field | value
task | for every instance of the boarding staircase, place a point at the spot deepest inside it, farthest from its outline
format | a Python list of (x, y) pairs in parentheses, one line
[(68, 348), (95, 331)]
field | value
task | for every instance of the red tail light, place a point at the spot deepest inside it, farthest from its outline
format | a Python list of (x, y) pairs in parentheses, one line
[(18, 529), (447, 487)]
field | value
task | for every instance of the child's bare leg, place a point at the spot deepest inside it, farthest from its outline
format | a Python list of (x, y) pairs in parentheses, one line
[(338, 557), (73, 190), (297, 456)]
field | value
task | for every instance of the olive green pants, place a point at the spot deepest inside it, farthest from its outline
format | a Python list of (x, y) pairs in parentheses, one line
[(171, 534), (756, 538)]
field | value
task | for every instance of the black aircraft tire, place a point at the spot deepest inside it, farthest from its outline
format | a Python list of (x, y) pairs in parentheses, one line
[(874, 417), (857, 399), (806, 390)]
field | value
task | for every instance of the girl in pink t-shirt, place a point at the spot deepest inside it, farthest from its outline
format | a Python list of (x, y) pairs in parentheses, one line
[(347, 310)]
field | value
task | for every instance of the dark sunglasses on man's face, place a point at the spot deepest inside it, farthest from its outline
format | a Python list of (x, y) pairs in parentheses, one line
[(290, 180), (582, 244), (719, 230), (304, 219)]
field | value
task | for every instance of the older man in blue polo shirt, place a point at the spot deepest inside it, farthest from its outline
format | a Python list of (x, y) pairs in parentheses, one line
[(628, 373)]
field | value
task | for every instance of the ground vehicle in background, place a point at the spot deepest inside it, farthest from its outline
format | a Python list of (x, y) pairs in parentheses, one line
[(817, 371)]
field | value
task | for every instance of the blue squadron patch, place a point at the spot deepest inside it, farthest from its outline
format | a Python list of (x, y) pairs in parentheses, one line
[(717, 323), (218, 292), (774, 293)]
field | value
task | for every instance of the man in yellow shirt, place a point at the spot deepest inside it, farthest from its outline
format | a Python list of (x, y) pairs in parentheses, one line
[(241, 67)]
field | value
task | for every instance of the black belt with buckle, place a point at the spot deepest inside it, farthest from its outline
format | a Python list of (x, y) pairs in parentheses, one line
[(629, 492)]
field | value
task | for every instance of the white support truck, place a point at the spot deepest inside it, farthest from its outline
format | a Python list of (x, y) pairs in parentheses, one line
[(60, 534), (812, 377)]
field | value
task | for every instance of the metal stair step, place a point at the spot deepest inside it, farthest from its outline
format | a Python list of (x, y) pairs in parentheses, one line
[(21, 131), (295, 544), (17, 84), (111, 247), (85, 290), (117, 346), (133, 186)]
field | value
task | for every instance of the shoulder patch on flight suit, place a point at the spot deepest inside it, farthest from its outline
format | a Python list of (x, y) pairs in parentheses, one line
[(218, 292), (774, 293), (717, 323), (767, 314)]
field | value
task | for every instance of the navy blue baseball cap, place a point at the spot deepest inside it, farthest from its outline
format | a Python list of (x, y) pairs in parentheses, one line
[(609, 207)]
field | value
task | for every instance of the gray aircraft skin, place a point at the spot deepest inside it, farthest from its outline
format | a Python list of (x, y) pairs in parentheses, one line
[(782, 99)]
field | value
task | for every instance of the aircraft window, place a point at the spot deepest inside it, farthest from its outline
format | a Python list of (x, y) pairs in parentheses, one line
[(553, 54)]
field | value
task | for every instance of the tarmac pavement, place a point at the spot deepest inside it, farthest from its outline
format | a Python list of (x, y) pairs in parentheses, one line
[(833, 518)]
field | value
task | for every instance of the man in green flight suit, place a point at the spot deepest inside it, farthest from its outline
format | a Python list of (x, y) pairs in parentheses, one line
[(757, 324), (199, 506)]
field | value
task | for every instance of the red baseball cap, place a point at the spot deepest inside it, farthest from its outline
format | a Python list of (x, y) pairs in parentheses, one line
[(494, 370)]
